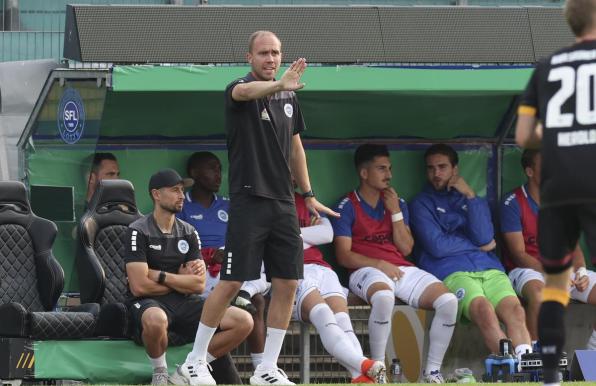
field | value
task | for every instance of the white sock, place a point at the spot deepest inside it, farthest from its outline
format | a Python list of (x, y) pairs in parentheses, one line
[(522, 349), (256, 358), (344, 322), (379, 322), (253, 287), (273, 343), (158, 362), (441, 330), (334, 339), (592, 341), (210, 358), (202, 339)]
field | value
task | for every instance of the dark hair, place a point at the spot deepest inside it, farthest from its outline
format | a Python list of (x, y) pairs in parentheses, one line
[(198, 158), (98, 158), (368, 152), (528, 157), (580, 15), (443, 149)]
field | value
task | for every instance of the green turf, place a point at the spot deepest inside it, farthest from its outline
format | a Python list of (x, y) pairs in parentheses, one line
[(500, 384)]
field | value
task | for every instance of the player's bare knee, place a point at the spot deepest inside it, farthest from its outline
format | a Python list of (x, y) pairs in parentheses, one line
[(154, 321), (237, 319), (376, 287), (533, 291), (483, 313)]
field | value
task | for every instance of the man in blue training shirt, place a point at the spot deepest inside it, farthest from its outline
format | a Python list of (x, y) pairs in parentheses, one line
[(455, 242)]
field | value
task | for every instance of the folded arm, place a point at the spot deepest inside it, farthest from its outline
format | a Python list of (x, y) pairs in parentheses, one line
[(432, 238), (517, 248)]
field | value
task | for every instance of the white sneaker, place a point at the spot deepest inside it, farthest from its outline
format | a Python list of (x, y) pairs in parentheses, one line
[(192, 373), (274, 376)]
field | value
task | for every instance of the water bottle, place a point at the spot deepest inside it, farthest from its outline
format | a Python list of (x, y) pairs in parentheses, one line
[(395, 371)]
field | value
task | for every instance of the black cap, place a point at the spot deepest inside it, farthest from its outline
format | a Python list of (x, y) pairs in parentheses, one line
[(166, 178)]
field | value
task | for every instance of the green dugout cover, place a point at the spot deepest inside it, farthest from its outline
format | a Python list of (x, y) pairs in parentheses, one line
[(339, 102)]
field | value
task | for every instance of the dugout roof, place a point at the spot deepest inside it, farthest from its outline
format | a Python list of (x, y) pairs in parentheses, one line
[(163, 103)]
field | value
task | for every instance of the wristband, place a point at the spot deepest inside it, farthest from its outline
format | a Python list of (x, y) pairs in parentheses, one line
[(308, 194), (395, 217), (581, 272), (161, 278)]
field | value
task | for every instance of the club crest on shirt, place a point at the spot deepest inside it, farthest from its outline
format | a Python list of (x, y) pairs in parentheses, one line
[(222, 215), (289, 110), (460, 294), (183, 246)]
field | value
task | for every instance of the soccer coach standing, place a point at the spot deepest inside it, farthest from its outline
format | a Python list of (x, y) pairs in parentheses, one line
[(263, 123)]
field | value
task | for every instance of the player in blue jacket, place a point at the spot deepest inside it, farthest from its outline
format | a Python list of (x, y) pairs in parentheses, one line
[(455, 242)]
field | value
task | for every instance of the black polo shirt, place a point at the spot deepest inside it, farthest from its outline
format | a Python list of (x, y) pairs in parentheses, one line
[(259, 137), (146, 243), (561, 95)]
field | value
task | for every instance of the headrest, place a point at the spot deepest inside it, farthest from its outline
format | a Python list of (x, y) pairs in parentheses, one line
[(13, 196), (110, 193)]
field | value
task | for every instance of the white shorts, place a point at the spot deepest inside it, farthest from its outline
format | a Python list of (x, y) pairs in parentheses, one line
[(317, 277), (520, 276), (253, 287), (408, 289)]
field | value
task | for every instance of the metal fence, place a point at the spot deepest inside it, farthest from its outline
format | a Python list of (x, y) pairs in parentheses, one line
[(22, 45), (34, 29)]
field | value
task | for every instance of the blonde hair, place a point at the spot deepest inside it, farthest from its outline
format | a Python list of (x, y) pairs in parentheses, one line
[(258, 34)]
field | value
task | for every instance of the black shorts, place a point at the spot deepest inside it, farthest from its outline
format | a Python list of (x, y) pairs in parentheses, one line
[(183, 312), (262, 230), (559, 229)]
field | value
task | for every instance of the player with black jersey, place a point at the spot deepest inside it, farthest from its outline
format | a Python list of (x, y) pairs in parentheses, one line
[(558, 111), (263, 122), (166, 274)]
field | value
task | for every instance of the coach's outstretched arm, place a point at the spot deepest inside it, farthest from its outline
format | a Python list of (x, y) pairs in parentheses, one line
[(290, 81)]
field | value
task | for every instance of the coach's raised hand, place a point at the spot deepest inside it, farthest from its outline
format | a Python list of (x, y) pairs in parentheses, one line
[(290, 80)]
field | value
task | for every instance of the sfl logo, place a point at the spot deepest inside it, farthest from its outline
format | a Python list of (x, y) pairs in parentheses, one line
[(71, 116)]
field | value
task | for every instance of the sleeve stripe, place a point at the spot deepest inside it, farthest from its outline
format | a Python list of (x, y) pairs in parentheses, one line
[(198, 239), (526, 110), (133, 241)]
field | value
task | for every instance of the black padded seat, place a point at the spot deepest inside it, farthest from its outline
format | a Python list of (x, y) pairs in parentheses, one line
[(100, 263), (31, 279)]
